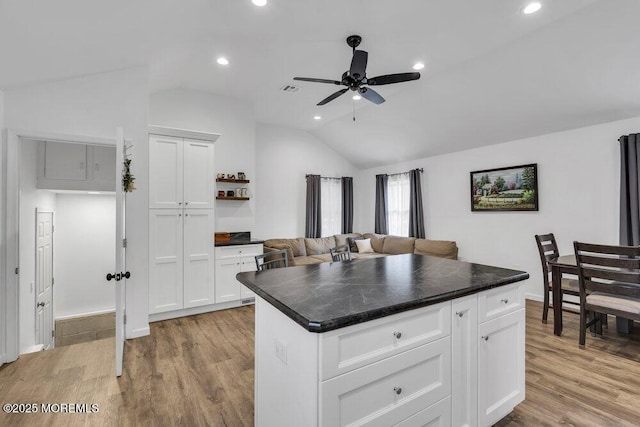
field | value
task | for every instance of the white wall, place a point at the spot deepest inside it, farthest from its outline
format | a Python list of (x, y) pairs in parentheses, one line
[(2, 228), (578, 180), (285, 156), (83, 254), (234, 151), (94, 106), (30, 200)]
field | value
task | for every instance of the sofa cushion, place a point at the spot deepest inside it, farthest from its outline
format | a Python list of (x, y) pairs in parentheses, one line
[(294, 247), (439, 248), (398, 245), (305, 260), (377, 241), (322, 257), (369, 255), (320, 245), (351, 241), (343, 239), (364, 246)]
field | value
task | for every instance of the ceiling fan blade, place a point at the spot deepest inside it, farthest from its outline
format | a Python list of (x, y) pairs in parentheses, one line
[(333, 96), (371, 95), (392, 78), (309, 79), (359, 64)]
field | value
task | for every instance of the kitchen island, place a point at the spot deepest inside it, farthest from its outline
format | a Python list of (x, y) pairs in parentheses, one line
[(400, 340)]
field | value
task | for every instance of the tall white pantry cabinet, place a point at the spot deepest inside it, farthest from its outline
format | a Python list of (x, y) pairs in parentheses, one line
[(181, 223)]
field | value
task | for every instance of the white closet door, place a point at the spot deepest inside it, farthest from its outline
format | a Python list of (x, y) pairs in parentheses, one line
[(198, 258), (199, 177), (165, 253), (165, 172)]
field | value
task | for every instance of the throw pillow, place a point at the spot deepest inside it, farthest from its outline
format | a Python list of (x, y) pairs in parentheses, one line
[(351, 241), (364, 246)]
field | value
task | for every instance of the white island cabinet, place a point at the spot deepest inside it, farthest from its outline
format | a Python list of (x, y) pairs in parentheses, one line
[(459, 362)]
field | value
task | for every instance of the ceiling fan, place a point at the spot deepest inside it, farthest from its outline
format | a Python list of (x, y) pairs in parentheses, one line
[(355, 78)]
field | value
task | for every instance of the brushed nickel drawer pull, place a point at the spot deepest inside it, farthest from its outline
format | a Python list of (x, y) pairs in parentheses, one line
[(505, 300), (459, 313), (398, 390), (397, 335)]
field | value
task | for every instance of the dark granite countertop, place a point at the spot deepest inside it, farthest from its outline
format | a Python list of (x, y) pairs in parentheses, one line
[(329, 296), (234, 242)]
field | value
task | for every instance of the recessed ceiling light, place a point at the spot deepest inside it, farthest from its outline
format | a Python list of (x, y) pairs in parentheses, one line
[(418, 66), (532, 8), (223, 61), (259, 2), (356, 97), (317, 117)]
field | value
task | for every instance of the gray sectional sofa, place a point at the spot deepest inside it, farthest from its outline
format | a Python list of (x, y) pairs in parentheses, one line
[(305, 251)]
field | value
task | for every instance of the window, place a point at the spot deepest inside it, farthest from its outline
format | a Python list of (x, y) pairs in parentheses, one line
[(331, 206), (398, 204)]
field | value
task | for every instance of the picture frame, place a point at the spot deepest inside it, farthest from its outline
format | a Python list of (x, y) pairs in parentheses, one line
[(512, 188)]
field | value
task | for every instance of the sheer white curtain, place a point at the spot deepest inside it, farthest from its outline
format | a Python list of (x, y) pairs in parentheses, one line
[(331, 206), (398, 204)]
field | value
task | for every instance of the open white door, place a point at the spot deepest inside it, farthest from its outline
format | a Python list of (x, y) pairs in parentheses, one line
[(120, 276), (44, 280)]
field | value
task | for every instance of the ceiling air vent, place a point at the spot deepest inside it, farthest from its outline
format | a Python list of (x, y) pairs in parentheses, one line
[(289, 88)]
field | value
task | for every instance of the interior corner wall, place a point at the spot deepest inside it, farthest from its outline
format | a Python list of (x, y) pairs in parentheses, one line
[(234, 151), (3, 320), (85, 238), (578, 182), (30, 199), (285, 156), (94, 106)]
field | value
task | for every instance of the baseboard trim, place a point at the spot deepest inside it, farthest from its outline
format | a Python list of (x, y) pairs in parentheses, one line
[(534, 297), (33, 349), (157, 317), (88, 313), (138, 333)]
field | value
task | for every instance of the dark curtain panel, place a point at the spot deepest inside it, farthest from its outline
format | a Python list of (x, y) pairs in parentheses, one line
[(416, 213), (347, 204), (313, 227), (381, 224), (630, 190)]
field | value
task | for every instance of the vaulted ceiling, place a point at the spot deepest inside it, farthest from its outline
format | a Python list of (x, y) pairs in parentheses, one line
[(492, 73)]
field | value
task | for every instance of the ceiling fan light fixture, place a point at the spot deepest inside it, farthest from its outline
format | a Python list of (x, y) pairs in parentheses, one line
[(418, 66), (532, 8), (222, 61), (356, 97), (317, 118), (259, 3)]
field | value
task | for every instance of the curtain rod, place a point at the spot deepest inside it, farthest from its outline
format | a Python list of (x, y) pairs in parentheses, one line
[(327, 177), (401, 173)]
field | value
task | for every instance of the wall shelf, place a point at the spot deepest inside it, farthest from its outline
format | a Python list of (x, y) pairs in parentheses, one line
[(233, 181), (231, 198)]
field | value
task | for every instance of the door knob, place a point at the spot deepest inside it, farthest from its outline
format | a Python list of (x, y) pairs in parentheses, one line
[(40, 304), (118, 276)]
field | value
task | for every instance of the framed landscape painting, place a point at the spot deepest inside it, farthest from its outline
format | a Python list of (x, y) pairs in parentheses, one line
[(513, 188)]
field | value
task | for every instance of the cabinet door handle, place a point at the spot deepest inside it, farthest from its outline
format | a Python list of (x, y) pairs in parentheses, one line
[(179, 214), (179, 203), (186, 203), (398, 390), (485, 337), (397, 335), (459, 313), (186, 214), (81, 165), (505, 300)]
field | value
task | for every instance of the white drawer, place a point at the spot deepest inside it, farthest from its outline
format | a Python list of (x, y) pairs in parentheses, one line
[(496, 302), (437, 415), (236, 251), (346, 349), (389, 391)]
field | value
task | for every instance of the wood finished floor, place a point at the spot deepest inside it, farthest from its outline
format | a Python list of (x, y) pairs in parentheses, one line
[(199, 371)]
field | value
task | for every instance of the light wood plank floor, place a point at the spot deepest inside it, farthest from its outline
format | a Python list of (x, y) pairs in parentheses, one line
[(199, 371)]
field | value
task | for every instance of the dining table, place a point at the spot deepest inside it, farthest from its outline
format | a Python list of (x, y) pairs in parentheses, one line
[(567, 264)]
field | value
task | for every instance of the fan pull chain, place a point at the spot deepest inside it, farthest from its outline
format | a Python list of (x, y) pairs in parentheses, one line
[(353, 104)]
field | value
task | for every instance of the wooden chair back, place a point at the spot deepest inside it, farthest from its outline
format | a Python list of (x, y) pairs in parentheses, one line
[(274, 259), (548, 250), (609, 269), (340, 253)]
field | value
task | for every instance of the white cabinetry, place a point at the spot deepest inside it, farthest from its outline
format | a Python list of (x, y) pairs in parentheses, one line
[(181, 173), (181, 252), (181, 224), (71, 166), (459, 363), (231, 260)]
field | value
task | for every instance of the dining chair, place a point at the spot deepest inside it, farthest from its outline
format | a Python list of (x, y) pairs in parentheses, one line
[(340, 253), (609, 278), (548, 250), (274, 259)]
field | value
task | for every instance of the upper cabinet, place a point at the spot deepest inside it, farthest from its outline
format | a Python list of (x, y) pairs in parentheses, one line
[(71, 166), (181, 173)]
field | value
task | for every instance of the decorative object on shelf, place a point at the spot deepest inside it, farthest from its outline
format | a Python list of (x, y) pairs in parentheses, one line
[(221, 237), (231, 176), (513, 188), (242, 176), (220, 175), (221, 193), (244, 192), (238, 192), (127, 177), (230, 193)]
